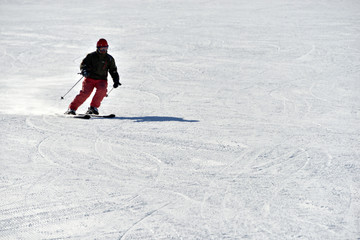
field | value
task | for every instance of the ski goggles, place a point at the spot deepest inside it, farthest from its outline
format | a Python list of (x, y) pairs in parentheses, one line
[(102, 49)]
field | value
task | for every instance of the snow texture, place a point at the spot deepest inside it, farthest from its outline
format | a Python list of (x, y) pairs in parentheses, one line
[(237, 119)]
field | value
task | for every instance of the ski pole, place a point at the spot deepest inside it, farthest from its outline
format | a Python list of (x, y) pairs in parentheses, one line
[(107, 95), (62, 97)]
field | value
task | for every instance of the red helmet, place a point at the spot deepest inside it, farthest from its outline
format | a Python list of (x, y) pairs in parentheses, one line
[(102, 43)]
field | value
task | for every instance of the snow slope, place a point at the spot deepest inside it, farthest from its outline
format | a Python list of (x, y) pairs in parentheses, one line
[(236, 120)]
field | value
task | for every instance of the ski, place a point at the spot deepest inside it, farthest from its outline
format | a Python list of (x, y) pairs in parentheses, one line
[(97, 116), (80, 116), (87, 116), (84, 116)]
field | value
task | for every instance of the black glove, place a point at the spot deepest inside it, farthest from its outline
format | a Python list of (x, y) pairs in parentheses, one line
[(116, 84), (85, 73)]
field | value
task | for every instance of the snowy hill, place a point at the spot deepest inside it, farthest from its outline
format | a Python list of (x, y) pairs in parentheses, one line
[(236, 120)]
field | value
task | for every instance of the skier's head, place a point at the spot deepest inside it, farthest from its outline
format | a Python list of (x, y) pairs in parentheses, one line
[(102, 46)]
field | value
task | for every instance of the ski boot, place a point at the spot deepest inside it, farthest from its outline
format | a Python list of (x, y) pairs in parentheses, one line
[(70, 112), (92, 111)]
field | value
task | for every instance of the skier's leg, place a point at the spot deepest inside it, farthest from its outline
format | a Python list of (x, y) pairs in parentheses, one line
[(101, 90), (87, 88)]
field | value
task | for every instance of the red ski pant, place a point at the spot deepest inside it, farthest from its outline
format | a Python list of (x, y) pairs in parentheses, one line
[(88, 86)]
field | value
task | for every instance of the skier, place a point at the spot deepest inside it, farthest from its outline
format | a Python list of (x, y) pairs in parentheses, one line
[(95, 68)]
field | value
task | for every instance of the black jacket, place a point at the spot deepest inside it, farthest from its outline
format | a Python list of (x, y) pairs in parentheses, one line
[(98, 65)]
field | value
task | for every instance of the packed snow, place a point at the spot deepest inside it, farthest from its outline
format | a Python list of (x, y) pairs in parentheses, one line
[(236, 119)]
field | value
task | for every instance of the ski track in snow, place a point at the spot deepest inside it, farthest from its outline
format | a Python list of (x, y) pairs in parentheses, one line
[(236, 120)]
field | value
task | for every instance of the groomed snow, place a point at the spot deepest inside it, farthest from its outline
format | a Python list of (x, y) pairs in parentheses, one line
[(236, 120)]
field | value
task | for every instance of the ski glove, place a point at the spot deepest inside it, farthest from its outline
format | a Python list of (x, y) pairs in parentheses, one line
[(85, 73), (116, 84)]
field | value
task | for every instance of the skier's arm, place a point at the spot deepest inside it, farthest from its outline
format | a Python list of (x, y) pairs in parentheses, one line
[(114, 74), (85, 66)]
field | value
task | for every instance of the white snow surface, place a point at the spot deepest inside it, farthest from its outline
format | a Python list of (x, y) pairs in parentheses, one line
[(237, 119)]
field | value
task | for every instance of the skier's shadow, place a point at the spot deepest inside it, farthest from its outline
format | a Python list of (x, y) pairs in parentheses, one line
[(156, 119)]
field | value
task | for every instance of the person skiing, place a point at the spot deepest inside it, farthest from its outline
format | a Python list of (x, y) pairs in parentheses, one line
[(95, 68)]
